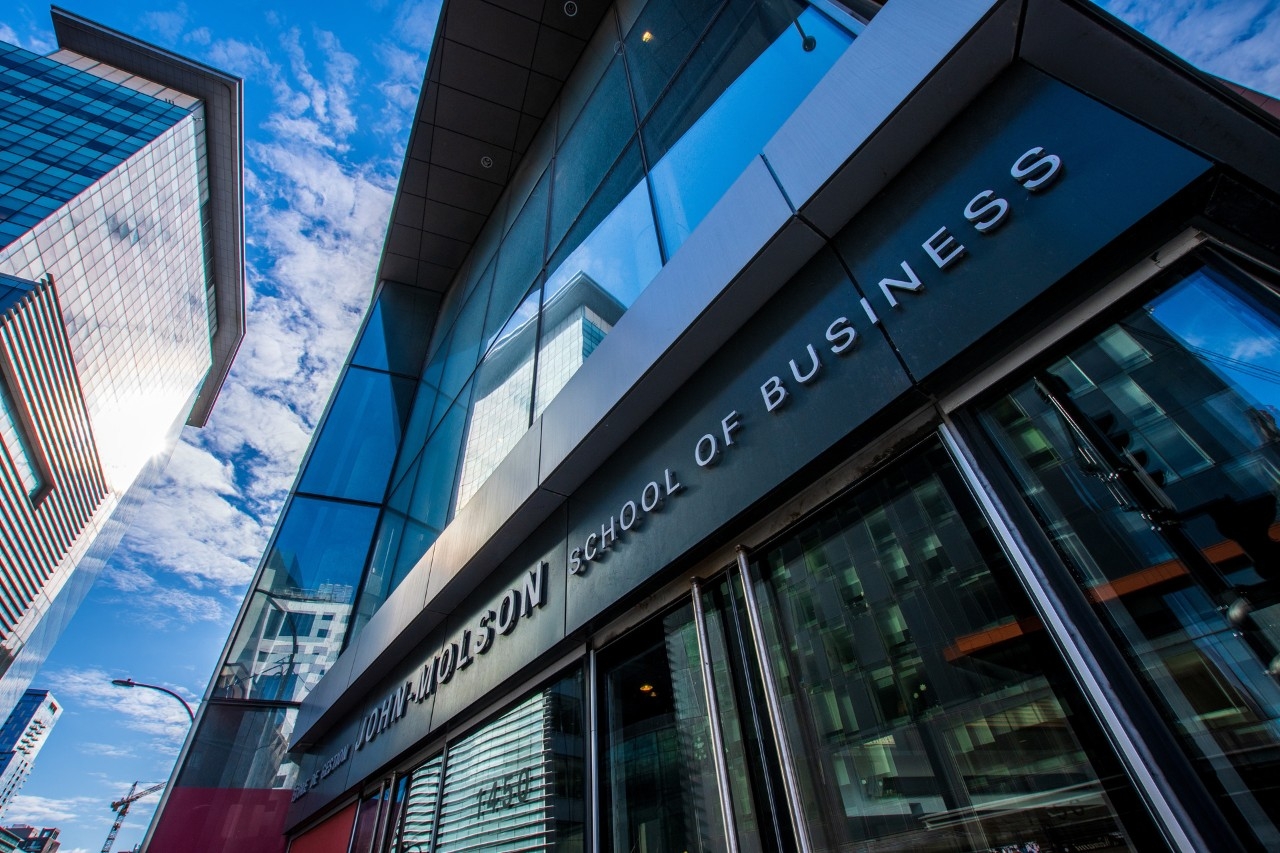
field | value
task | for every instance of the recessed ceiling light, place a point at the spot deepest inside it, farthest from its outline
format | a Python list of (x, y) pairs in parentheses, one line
[(486, 161)]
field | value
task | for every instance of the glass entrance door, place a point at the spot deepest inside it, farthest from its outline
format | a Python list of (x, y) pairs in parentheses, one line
[(1150, 454), (924, 703)]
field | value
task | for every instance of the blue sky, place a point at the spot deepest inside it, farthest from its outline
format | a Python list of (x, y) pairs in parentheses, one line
[(330, 90)]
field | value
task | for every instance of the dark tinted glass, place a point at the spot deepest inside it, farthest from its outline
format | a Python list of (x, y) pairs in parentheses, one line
[(925, 705), (590, 291), (591, 148), (399, 326), (295, 621), (431, 505), (658, 779), (239, 747), (357, 442), (659, 42), (1151, 455)]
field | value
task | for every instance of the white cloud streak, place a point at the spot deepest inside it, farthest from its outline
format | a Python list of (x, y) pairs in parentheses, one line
[(1235, 39), (316, 219)]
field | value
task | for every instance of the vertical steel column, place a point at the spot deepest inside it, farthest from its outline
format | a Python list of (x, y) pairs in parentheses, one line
[(774, 703), (713, 712), (1181, 834), (593, 755)]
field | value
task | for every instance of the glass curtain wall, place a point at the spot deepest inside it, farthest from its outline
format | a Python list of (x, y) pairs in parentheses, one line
[(1150, 454), (925, 705), (659, 119)]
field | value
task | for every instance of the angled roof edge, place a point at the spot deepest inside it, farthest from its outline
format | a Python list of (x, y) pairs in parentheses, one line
[(223, 96)]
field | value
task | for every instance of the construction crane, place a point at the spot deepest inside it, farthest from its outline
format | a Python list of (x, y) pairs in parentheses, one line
[(121, 808)]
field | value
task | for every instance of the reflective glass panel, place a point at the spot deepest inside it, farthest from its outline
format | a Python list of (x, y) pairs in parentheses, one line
[(660, 40), (241, 747), (296, 620), (657, 778), (589, 292), (396, 333), (1151, 455), (235, 784), (16, 444), (598, 136), (925, 705), (503, 396), (352, 453), (699, 162)]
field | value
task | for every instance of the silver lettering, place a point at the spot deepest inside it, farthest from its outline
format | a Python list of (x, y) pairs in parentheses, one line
[(673, 485), (623, 521), (508, 612), (941, 242), (651, 497), (535, 588), (1038, 174), (728, 426), (484, 637), (706, 451), (912, 283), (813, 369), (841, 335), (774, 392), (989, 216)]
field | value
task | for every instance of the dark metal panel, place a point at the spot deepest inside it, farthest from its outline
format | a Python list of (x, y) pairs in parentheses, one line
[(1109, 173), (1090, 50)]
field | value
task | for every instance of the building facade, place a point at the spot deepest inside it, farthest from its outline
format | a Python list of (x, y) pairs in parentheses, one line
[(784, 426), (121, 302), (21, 737)]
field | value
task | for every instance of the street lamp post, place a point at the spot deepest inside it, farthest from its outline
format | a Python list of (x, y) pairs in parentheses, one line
[(129, 682)]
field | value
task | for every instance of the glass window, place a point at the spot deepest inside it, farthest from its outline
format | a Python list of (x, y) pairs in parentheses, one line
[(659, 42), (657, 776), (598, 137), (235, 784), (355, 446), (925, 705), (417, 825), (241, 747), (310, 572), (588, 293), (16, 443), (503, 396), (516, 784), (396, 333), (756, 70), (1157, 481)]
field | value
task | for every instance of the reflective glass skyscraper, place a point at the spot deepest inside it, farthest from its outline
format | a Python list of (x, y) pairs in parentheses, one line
[(121, 302)]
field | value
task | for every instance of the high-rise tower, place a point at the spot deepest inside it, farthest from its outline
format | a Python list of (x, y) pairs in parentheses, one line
[(121, 302), (21, 738)]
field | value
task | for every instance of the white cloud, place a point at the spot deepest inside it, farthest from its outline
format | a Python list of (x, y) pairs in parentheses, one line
[(168, 24), (107, 750), (48, 811), (1235, 39), (316, 217), (146, 711)]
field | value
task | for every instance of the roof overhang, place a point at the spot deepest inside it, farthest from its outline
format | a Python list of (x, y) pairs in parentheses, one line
[(492, 78), (223, 97)]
